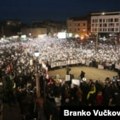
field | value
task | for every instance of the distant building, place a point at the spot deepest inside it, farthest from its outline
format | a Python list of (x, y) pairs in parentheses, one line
[(51, 26), (34, 32), (78, 26), (10, 27), (105, 23)]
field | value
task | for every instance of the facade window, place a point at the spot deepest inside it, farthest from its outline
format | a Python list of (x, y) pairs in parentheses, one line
[(95, 29), (104, 25), (104, 29), (100, 20), (112, 29), (116, 20), (117, 24), (96, 20), (84, 24), (107, 20), (96, 25), (108, 29), (78, 24), (111, 20), (111, 25), (116, 29), (100, 25), (103, 20), (100, 29)]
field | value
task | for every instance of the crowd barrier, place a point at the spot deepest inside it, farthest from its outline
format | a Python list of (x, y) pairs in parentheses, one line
[(63, 63)]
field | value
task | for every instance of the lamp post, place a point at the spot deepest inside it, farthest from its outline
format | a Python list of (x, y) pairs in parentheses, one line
[(36, 54)]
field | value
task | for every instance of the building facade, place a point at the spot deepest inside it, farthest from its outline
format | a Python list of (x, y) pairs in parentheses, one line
[(107, 23), (34, 32), (52, 27), (10, 27), (78, 26)]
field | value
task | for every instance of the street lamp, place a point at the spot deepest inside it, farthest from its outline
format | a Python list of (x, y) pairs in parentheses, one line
[(103, 13), (36, 54)]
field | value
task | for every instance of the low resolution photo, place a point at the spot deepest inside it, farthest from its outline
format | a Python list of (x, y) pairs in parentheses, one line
[(59, 59)]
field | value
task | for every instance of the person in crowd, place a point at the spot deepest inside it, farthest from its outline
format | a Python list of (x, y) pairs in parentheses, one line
[(99, 99), (82, 75), (18, 68), (91, 95)]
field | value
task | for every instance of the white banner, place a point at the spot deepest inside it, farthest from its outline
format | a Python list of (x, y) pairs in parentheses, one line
[(76, 82), (67, 78)]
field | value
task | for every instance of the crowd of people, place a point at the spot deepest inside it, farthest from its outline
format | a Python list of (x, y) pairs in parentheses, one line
[(18, 68), (60, 52)]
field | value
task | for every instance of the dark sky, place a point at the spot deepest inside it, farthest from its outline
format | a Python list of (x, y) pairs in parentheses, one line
[(28, 10)]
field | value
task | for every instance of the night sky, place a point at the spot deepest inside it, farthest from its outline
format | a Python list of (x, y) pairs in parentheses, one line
[(28, 10)]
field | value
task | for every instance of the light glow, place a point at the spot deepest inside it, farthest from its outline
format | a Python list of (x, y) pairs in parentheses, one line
[(76, 36), (42, 35), (61, 35), (36, 53), (82, 37)]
